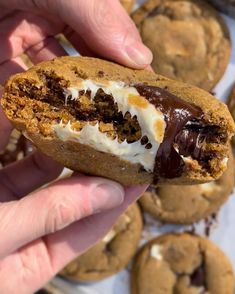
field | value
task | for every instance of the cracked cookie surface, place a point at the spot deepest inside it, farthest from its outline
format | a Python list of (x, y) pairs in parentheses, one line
[(181, 264), (189, 204), (189, 40), (112, 253)]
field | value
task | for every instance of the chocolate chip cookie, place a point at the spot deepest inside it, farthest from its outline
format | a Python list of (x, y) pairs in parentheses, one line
[(189, 40), (90, 115), (17, 148), (112, 253), (181, 264), (189, 204)]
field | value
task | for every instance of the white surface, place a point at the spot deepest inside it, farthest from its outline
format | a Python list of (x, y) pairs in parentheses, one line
[(222, 232)]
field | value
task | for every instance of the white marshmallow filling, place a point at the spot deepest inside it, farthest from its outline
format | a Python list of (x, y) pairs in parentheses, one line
[(128, 103)]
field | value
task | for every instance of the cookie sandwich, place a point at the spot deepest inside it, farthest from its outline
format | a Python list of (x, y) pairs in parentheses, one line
[(132, 126)]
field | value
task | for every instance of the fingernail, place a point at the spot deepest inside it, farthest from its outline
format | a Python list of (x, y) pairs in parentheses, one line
[(138, 53), (106, 195)]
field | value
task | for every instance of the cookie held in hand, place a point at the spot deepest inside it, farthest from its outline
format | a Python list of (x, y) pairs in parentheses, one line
[(132, 126)]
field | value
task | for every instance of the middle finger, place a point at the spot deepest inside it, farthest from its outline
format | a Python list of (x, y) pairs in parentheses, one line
[(23, 177)]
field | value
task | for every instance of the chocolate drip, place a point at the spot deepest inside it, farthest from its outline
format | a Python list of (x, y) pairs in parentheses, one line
[(177, 112), (198, 278)]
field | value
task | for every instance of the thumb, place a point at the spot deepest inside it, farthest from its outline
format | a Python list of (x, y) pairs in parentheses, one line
[(105, 28), (54, 208)]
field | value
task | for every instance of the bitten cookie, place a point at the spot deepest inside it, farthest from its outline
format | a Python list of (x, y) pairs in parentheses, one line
[(189, 204), (111, 254), (189, 40), (128, 5), (17, 148), (181, 264), (132, 126)]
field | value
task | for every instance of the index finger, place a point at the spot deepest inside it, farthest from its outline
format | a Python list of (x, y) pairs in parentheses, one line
[(6, 69), (106, 29)]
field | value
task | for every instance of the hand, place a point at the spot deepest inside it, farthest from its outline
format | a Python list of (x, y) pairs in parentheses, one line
[(42, 232)]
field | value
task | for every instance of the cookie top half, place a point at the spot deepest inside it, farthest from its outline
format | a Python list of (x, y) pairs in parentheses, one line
[(189, 40), (182, 264)]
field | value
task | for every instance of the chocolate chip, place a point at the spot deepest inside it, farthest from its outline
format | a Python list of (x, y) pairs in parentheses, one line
[(148, 146), (144, 140), (100, 73), (198, 277)]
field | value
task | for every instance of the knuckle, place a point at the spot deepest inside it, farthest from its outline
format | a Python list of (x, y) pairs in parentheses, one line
[(59, 215)]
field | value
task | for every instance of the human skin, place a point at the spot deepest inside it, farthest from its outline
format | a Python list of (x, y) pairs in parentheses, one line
[(42, 231)]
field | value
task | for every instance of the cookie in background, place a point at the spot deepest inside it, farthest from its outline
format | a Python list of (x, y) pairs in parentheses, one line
[(112, 253), (189, 204), (181, 263), (189, 40)]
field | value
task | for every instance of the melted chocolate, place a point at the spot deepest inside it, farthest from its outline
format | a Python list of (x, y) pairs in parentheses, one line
[(177, 112), (9, 156), (198, 278)]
